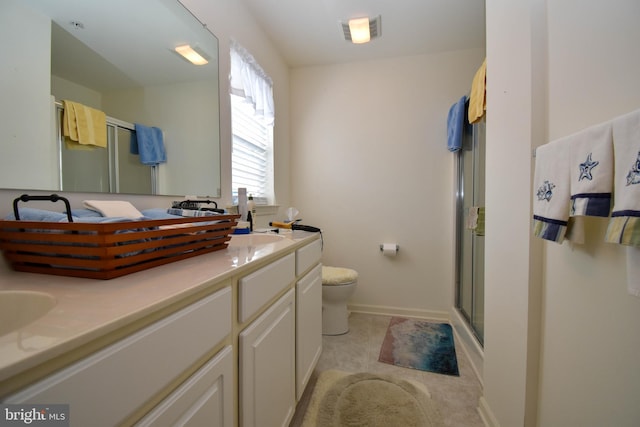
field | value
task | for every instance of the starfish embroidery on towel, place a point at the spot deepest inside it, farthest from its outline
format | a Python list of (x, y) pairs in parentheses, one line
[(585, 168), (545, 192), (633, 177)]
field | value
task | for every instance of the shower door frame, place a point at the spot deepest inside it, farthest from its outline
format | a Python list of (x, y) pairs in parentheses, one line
[(474, 136)]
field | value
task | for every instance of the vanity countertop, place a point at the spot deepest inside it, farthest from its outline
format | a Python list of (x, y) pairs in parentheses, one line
[(88, 309)]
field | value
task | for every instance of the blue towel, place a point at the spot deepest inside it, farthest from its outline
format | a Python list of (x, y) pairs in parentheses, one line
[(455, 124), (148, 142), (158, 213), (33, 214)]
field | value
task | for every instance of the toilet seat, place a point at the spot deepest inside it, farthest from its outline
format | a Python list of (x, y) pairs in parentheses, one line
[(336, 276), (338, 284)]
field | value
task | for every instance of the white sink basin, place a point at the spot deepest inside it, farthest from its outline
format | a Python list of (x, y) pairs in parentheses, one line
[(253, 239), (19, 308)]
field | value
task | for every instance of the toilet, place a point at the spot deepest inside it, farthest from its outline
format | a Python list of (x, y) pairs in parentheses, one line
[(338, 284)]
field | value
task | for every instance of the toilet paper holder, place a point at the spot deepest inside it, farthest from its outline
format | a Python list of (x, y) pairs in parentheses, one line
[(382, 245)]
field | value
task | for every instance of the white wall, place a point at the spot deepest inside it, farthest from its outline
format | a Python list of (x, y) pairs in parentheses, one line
[(25, 87), (226, 19), (567, 309), (590, 350), (370, 165)]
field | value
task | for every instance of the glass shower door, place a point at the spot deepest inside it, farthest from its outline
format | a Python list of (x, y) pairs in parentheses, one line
[(470, 213)]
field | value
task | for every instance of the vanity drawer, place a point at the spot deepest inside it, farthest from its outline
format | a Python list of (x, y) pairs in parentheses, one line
[(257, 288), (108, 386), (308, 256), (206, 398)]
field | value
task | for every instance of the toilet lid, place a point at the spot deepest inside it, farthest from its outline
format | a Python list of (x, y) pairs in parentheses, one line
[(338, 275)]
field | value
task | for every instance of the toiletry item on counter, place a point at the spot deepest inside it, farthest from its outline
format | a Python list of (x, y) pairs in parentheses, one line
[(295, 226), (243, 227), (251, 212), (242, 203)]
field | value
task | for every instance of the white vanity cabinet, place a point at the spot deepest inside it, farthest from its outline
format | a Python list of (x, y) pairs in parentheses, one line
[(267, 360), (107, 387), (308, 326), (308, 313), (237, 350), (279, 350)]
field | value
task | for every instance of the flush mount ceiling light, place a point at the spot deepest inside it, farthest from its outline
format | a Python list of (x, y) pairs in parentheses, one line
[(192, 54), (362, 30)]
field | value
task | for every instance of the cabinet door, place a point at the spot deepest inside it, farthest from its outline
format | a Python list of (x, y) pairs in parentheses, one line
[(206, 398), (108, 386), (267, 360), (308, 326)]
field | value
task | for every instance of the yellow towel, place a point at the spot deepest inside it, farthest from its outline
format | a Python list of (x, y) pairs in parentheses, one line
[(83, 125), (477, 97)]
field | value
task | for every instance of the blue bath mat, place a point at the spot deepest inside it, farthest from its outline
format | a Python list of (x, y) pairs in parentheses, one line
[(420, 345)]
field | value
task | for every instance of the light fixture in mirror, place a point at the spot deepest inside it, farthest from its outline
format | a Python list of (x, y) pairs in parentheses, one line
[(122, 63), (192, 54)]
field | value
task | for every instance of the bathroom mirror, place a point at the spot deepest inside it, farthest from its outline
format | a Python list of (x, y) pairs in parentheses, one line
[(116, 56)]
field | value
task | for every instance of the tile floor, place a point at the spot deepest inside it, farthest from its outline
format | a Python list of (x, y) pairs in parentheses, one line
[(358, 351)]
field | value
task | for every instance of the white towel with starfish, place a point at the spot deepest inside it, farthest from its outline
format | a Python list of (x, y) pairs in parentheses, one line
[(551, 189), (591, 171), (624, 225)]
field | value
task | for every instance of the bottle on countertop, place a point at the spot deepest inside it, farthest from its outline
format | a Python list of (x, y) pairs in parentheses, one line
[(251, 211)]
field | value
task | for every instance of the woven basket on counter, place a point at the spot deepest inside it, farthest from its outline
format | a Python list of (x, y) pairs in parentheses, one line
[(109, 250)]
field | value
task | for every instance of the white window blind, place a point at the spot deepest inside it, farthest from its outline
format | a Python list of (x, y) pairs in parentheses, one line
[(252, 152), (252, 127)]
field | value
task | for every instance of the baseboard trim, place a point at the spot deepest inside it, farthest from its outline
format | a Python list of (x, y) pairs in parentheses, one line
[(441, 316), (486, 413), (469, 344)]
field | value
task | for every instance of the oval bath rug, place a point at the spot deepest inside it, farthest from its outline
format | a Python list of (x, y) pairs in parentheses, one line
[(371, 400)]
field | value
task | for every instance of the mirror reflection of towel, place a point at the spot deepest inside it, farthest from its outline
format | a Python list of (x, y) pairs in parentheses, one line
[(83, 126), (148, 142)]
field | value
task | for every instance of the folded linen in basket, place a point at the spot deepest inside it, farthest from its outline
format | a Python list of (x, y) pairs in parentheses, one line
[(591, 171), (190, 212), (114, 208), (551, 191), (158, 213), (32, 214), (42, 215), (624, 225)]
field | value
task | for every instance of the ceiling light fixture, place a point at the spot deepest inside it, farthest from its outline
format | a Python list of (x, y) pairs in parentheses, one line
[(362, 30), (192, 54), (359, 29)]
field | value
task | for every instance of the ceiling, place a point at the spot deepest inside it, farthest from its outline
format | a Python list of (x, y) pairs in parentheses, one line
[(309, 32), (96, 45)]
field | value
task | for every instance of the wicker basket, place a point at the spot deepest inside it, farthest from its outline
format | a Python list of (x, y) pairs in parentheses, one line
[(108, 250)]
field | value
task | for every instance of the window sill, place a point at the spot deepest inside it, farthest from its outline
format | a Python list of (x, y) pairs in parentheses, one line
[(261, 210)]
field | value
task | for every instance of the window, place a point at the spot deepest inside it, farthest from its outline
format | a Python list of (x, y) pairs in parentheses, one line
[(252, 127)]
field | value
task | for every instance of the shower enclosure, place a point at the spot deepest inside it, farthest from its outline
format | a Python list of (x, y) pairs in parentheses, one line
[(110, 170), (470, 229)]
